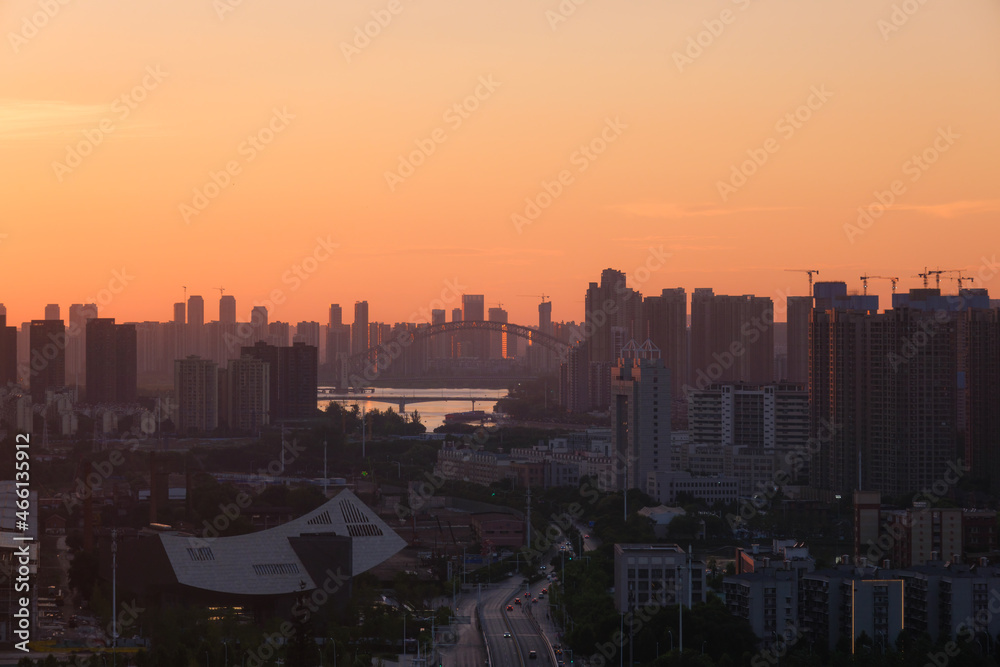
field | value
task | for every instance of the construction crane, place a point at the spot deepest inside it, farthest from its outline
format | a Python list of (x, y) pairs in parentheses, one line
[(543, 296), (934, 272), (222, 291), (960, 279), (810, 272), (185, 293), (865, 279)]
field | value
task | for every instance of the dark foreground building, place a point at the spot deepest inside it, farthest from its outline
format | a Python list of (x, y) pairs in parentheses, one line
[(308, 562)]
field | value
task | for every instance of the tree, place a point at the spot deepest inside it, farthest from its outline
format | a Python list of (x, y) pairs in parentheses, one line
[(304, 499), (83, 572), (301, 648)]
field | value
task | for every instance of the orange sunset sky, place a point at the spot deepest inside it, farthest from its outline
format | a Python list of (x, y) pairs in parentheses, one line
[(113, 113)]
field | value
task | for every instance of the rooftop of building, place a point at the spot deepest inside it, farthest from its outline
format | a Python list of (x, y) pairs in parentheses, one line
[(662, 548), (270, 562)]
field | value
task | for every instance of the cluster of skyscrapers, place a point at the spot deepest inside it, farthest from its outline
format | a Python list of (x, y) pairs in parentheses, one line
[(859, 399), (871, 400)]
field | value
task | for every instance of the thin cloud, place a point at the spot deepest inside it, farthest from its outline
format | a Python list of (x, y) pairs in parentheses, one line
[(662, 209), (22, 119), (675, 242), (955, 209), (456, 251), (33, 119)]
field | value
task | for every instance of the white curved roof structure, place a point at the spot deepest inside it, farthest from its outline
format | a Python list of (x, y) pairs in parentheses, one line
[(266, 563)]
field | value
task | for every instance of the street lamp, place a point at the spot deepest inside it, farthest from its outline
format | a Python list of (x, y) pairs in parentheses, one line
[(621, 637)]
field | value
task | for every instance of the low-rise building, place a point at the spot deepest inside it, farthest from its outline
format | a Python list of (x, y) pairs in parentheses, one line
[(782, 555), (464, 464), (921, 534), (656, 574), (767, 600), (862, 604), (852, 602), (665, 487), (498, 529), (754, 470)]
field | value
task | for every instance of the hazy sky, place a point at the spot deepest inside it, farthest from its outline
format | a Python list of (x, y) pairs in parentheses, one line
[(224, 143)]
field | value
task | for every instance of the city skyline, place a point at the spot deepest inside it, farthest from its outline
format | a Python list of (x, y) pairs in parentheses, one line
[(496, 147), (521, 309), (320, 316)]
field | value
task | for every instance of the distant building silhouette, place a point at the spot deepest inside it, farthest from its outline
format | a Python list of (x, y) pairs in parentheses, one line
[(47, 357), (901, 390), (545, 317), (258, 324), (292, 378), (308, 333), (196, 325), (501, 345), (612, 316), (196, 389), (76, 342), (473, 344), (247, 394), (177, 333), (732, 338), (454, 339), (338, 336), (798, 309), (439, 345), (8, 352), (180, 313), (111, 362), (640, 415), (664, 322), (227, 309), (279, 333), (359, 330)]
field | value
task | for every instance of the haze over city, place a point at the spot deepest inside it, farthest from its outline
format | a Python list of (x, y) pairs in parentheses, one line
[(456, 333), (225, 69)]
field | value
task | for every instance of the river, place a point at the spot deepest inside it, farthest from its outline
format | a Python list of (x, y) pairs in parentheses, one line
[(431, 412)]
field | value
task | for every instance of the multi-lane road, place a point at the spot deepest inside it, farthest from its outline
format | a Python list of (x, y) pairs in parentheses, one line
[(511, 635), (503, 651), (516, 650)]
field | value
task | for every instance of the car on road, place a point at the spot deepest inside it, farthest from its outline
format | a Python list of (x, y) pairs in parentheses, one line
[(510, 607), (586, 537), (506, 635), (534, 599), (532, 655), (517, 600), (544, 591)]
